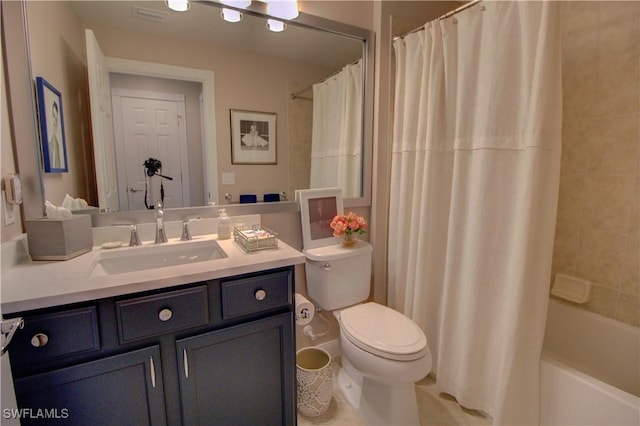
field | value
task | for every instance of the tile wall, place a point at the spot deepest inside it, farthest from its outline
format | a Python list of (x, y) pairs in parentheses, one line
[(597, 234)]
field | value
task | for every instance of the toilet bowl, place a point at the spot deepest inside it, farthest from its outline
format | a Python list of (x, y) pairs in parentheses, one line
[(383, 352)]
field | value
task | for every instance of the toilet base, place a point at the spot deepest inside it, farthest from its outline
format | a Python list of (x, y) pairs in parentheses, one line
[(378, 403)]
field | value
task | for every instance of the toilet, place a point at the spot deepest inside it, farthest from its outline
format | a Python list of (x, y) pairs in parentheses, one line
[(383, 352)]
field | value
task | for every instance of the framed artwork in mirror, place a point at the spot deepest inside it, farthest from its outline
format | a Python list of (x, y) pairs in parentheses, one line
[(318, 207), (51, 119), (253, 137)]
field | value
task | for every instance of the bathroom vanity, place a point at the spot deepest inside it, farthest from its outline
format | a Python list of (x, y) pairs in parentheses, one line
[(210, 342)]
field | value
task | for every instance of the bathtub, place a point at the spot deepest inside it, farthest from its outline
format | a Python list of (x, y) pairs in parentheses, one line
[(589, 369)]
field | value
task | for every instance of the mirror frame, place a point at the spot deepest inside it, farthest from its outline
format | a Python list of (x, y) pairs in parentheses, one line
[(14, 22)]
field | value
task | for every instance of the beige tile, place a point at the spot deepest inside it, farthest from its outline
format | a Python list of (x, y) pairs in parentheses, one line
[(576, 133), (634, 220), (614, 145), (600, 256), (629, 309), (565, 250), (578, 92), (607, 202), (570, 199), (630, 280), (603, 301), (618, 61)]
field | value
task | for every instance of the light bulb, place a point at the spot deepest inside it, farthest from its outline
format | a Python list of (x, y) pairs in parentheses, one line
[(231, 15), (275, 25), (283, 9), (178, 5)]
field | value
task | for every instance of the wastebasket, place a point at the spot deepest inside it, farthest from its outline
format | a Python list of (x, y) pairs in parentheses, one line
[(314, 381)]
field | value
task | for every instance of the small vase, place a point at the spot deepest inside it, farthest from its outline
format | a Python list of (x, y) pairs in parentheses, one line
[(349, 240)]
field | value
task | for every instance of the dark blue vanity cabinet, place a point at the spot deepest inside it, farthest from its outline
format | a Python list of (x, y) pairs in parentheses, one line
[(220, 352)]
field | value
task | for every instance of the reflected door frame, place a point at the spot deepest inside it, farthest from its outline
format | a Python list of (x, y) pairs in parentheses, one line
[(129, 189)]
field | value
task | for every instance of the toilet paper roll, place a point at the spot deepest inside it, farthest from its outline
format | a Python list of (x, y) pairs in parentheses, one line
[(304, 310)]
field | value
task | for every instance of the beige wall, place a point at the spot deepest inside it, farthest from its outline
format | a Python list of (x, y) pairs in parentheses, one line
[(56, 41), (8, 163), (597, 229)]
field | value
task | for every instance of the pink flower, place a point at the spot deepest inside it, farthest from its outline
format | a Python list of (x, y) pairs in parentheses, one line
[(348, 224)]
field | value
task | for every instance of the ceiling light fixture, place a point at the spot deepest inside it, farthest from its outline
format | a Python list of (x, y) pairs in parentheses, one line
[(283, 9), (276, 26), (178, 5), (231, 15)]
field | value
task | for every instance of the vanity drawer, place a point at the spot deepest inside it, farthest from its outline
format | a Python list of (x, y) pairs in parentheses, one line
[(57, 334), (255, 294), (162, 313)]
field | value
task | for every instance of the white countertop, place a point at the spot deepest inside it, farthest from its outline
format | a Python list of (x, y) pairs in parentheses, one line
[(31, 284)]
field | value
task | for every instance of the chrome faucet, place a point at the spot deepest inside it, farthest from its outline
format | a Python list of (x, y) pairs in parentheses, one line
[(186, 232), (161, 235)]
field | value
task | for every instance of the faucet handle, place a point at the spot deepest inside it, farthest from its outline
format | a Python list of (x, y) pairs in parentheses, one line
[(186, 233), (134, 238)]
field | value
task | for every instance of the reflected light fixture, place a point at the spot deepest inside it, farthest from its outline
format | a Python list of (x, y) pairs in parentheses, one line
[(231, 15), (283, 9), (240, 4), (178, 5), (276, 26)]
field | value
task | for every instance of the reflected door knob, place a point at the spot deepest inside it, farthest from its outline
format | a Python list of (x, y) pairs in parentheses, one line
[(134, 189)]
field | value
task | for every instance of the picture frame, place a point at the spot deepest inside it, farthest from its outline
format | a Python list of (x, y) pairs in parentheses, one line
[(318, 207), (253, 137), (51, 119)]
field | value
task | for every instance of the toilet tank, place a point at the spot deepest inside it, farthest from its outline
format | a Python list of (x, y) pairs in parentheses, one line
[(338, 276)]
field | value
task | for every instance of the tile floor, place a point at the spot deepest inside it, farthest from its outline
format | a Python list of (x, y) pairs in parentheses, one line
[(435, 409)]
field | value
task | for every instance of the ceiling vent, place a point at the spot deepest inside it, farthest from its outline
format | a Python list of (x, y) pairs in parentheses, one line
[(149, 14)]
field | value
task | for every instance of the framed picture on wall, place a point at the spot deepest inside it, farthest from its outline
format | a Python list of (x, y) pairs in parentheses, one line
[(52, 138), (253, 137)]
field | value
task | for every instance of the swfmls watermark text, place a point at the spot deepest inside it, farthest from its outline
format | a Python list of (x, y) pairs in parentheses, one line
[(35, 413)]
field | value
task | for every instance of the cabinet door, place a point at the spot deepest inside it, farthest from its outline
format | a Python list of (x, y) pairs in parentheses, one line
[(121, 390), (242, 375)]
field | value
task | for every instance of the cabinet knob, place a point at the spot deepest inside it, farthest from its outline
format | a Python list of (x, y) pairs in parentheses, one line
[(39, 340), (327, 266), (165, 314), (260, 294)]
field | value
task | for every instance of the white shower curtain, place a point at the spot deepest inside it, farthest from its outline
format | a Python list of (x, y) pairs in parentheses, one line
[(336, 143), (474, 187)]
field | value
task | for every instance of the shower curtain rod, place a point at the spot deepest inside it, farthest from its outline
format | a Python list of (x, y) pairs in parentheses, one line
[(297, 94), (445, 16)]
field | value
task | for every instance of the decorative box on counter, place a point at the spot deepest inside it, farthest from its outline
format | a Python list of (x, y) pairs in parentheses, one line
[(59, 239), (255, 238)]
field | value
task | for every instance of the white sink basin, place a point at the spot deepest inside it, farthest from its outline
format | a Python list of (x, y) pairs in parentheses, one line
[(152, 256)]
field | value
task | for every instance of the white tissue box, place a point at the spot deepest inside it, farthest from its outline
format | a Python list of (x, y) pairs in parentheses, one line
[(59, 239)]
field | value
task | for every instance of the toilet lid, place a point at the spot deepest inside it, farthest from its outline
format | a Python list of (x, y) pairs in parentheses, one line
[(383, 332)]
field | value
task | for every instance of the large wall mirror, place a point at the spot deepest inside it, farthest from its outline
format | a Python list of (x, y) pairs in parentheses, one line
[(224, 108)]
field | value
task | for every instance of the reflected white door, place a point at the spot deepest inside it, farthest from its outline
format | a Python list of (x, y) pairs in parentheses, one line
[(149, 125), (101, 125)]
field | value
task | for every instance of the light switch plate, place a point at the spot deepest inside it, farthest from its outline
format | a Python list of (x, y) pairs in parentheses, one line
[(8, 211), (228, 178)]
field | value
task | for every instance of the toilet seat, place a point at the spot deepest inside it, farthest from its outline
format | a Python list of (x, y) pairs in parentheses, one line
[(383, 332)]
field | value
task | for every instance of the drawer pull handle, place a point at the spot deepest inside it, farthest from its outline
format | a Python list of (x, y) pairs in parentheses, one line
[(165, 314), (185, 360), (152, 370), (327, 266), (39, 340), (260, 294)]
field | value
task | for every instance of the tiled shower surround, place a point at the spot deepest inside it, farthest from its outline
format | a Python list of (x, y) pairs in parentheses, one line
[(597, 232)]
